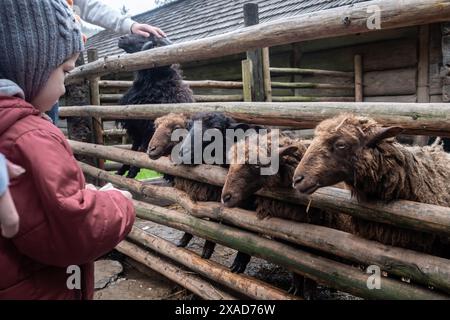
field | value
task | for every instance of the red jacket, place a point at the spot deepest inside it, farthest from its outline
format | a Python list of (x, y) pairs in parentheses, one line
[(61, 223)]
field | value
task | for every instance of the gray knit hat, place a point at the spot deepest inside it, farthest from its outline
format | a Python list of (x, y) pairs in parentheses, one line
[(36, 36)]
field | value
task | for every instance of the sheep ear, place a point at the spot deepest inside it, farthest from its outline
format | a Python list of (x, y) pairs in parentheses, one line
[(383, 133), (289, 150)]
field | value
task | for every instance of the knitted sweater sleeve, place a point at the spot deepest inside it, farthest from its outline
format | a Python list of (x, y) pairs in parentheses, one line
[(99, 13)]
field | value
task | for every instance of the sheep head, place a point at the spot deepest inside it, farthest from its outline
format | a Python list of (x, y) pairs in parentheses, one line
[(132, 43), (244, 176), (205, 121), (338, 143), (161, 143)]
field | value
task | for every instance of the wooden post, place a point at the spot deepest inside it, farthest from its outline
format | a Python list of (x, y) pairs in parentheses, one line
[(80, 128), (423, 87), (247, 80), (446, 61), (358, 79), (295, 63), (266, 73), (251, 17), (95, 100)]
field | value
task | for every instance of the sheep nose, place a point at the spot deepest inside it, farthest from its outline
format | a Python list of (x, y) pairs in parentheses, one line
[(122, 37), (151, 149), (297, 180), (226, 198)]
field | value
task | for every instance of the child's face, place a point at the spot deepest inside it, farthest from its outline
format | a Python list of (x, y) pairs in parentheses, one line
[(54, 88)]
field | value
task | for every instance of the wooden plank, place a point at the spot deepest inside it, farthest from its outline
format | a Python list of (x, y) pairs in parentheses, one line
[(313, 72), (390, 82), (247, 79), (407, 99), (402, 54), (423, 73), (415, 118), (358, 78), (324, 24), (435, 60)]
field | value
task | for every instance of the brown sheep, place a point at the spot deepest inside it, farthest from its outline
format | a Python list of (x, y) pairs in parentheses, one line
[(245, 178), (364, 155)]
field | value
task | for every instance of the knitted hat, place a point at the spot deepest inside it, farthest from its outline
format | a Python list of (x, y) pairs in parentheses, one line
[(36, 37)]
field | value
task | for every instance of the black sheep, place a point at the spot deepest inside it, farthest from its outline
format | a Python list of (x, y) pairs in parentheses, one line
[(201, 191), (151, 86)]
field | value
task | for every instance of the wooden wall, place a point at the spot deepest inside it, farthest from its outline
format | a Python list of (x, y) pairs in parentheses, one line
[(390, 65)]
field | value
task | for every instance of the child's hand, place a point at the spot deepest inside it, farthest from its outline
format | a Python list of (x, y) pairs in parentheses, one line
[(146, 30), (108, 187), (9, 219)]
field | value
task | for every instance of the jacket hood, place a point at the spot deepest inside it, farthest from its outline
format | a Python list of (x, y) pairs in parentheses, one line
[(12, 109)]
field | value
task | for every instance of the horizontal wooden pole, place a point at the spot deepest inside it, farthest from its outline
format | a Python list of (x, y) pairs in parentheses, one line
[(193, 84), (310, 72), (336, 22), (311, 99), (415, 118), (423, 268), (115, 84), (322, 270), (114, 132), (218, 98), (310, 85), (403, 213), (113, 97), (184, 278), (250, 287)]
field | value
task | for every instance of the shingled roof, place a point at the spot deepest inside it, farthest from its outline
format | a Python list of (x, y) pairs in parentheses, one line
[(185, 20)]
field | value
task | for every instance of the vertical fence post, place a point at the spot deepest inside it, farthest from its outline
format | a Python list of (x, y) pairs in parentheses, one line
[(80, 128), (251, 17), (247, 80), (423, 88), (95, 100), (266, 74), (358, 79)]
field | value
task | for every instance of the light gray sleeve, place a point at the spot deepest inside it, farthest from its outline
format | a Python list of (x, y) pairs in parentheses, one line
[(99, 13), (4, 180)]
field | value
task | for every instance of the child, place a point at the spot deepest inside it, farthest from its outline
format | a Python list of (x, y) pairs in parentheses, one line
[(62, 223)]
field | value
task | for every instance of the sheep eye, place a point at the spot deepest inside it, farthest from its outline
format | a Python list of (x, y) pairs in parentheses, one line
[(340, 145), (177, 127)]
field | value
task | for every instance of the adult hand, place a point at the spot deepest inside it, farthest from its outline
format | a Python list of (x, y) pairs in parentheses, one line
[(146, 30), (9, 219)]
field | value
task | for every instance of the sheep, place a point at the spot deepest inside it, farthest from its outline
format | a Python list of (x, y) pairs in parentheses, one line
[(161, 145), (244, 178), (151, 86), (361, 153)]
